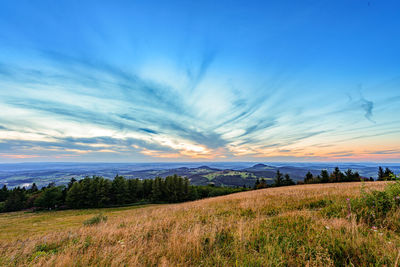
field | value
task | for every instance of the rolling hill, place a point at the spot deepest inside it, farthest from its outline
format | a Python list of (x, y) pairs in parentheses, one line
[(220, 173)]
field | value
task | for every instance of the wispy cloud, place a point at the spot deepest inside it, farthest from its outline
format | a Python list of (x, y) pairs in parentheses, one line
[(367, 106)]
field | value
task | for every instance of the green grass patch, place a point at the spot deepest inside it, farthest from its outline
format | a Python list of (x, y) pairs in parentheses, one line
[(100, 218)]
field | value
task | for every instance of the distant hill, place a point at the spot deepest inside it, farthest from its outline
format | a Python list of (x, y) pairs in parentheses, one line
[(225, 173)]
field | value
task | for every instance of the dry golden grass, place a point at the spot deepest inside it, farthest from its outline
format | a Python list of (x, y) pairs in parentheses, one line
[(286, 226)]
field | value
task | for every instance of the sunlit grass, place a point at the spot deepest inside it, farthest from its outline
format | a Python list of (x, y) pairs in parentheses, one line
[(296, 225)]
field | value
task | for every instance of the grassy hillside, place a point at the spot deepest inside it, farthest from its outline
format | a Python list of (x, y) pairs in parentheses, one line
[(298, 225)]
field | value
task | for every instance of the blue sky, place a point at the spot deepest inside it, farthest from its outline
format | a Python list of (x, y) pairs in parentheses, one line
[(199, 80)]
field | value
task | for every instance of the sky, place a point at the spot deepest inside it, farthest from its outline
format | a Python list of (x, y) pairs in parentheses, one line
[(140, 81)]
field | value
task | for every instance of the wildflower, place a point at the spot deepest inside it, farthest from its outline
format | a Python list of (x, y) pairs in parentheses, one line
[(374, 228), (327, 227)]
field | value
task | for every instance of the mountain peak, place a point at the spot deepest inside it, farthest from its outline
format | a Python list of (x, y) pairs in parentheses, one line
[(204, 167), (260, 165)]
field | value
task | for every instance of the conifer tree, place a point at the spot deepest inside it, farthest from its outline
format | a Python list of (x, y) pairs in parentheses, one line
[(288, 180), (156, 193), (309, 178), (324, 176), (3, 193), (15, 200), (388, 174), (74, 197), (278, 181), (336, 175), (50, 198), (381, 174)]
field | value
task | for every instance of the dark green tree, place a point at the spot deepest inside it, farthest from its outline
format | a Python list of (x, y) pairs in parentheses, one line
[(337, 176), (381, 174), (263, 183), (288, 180), (156, 193), (193, 193), (50, 198), (278, 180), (349, 175), (309, 179), (71, 182), (15, 200), (74, 197), (388, 174), (324, 176), (3, 193), (119, 190), (33, 188), (133, 188)]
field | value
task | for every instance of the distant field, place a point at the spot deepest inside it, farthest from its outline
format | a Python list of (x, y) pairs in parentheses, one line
[(296, 225)]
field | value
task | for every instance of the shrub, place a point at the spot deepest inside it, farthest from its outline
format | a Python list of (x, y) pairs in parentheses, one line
[(95, 220), (374, 206)]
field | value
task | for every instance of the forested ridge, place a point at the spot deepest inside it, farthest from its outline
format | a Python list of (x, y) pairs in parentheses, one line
[(98, 192)]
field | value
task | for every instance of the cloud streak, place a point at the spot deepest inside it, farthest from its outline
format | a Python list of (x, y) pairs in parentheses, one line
[(133, 89)]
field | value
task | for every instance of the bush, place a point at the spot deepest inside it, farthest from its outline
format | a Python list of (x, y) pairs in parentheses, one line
[(95, 220), (373, 207)]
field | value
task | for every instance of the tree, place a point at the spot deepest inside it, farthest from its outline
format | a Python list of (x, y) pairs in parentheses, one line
[(288, 180), (104, 189), (74, 197), (33, 188), (278, 181), (147, 188), (15, 200), (324, 176), (349, 176), (356, 177), (263, 183), (381, 174), (388, 174), (133, 188), (256, 185), (50, 197), (193, 193), (71, 182), (119, 190), (186, 189), (156, 193), (309, 178), (336, 176), (3, 193)]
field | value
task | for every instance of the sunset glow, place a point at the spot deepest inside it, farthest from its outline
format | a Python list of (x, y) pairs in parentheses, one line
[(195, 81)]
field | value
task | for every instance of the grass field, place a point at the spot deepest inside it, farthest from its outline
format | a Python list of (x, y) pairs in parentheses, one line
[(308, 225)]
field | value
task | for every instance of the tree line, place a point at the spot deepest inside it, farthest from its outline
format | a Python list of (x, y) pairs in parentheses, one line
[(97, 192), (279, 180), (338, 176)]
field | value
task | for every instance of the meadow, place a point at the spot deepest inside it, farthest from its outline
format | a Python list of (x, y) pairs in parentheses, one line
[(330, 224)]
